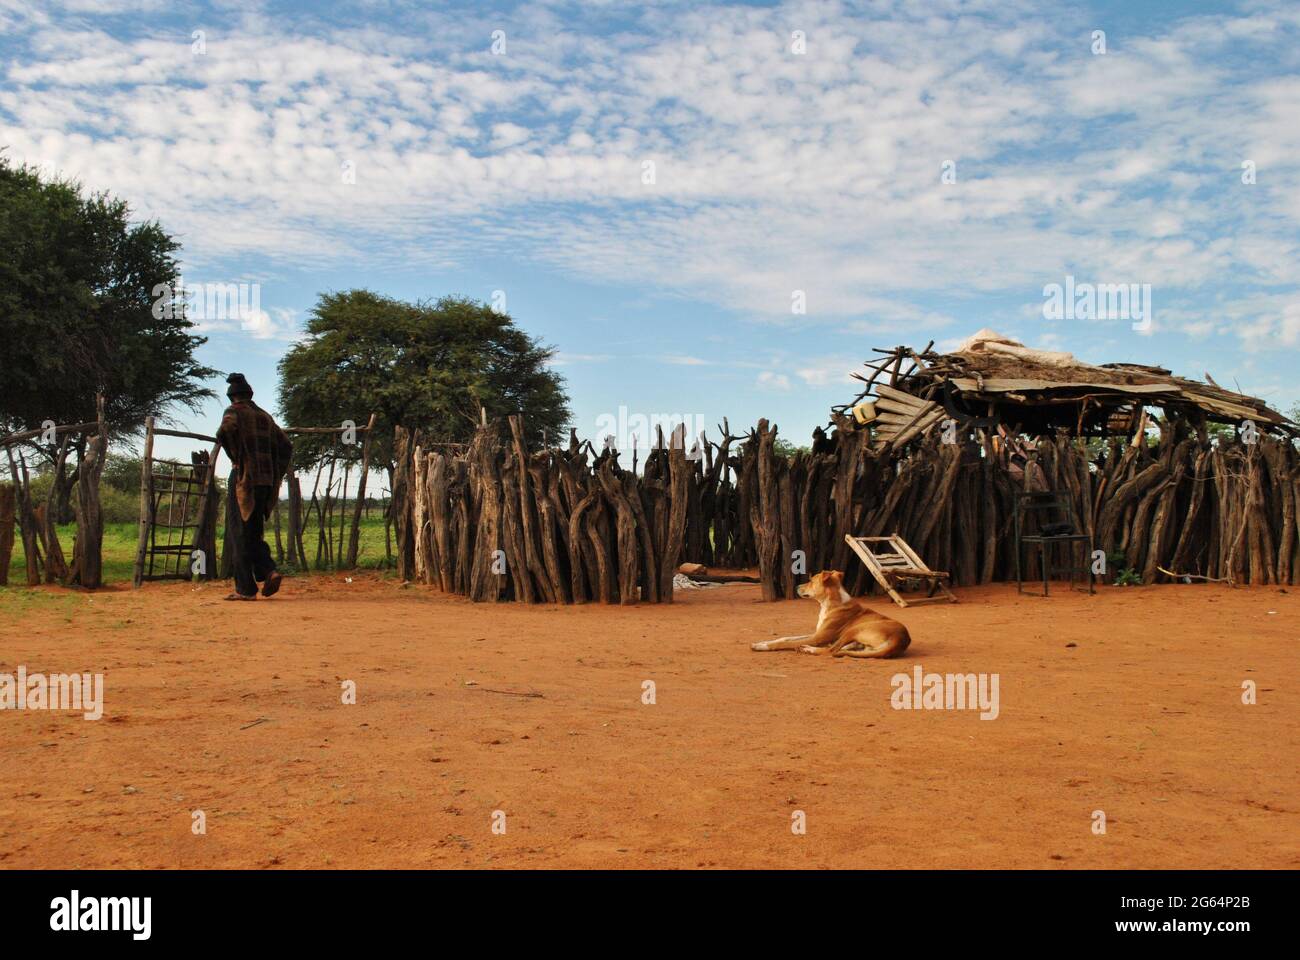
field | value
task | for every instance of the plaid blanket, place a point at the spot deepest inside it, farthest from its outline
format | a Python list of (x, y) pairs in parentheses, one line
[(258, 448)]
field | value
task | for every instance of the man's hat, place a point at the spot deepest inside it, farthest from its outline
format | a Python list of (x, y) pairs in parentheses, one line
[(238, 386)]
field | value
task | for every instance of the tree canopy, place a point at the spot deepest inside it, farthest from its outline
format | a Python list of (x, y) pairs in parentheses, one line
[(78, 284), (427, 366)]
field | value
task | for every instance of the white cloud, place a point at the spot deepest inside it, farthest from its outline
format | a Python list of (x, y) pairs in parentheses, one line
[(259, 324), (774, 172), (828, 370), (563, 358)]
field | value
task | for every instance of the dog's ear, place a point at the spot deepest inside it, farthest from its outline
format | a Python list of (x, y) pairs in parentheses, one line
[(834, 578)]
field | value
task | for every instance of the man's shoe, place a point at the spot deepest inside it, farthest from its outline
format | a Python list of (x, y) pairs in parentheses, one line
[(272, 585), (240, 596)]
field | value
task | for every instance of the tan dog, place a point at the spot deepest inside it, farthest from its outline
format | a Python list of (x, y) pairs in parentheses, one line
[(847, 627)]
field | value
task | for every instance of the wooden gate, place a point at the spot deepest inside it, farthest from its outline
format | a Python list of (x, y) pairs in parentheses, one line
[(178, 513)]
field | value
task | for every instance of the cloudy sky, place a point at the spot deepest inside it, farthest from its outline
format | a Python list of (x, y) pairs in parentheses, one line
[(656, 188)]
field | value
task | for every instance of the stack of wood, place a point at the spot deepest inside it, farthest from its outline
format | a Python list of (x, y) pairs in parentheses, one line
[(502, 522), (555, 526)]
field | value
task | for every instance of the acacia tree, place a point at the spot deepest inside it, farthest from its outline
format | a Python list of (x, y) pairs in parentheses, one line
[(427, 365), (78, 286)]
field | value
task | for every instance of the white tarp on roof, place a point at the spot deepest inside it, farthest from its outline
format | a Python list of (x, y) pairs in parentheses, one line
[(990, 341)]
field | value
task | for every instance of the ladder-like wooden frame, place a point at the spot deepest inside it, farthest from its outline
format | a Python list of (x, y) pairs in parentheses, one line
[(901, 564)]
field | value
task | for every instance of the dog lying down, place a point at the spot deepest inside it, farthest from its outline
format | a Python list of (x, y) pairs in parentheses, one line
[(847, 627)]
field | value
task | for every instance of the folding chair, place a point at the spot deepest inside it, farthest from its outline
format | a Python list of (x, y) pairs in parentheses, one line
[(899, 563)]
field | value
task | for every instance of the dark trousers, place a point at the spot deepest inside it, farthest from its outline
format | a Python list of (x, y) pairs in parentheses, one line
[(253, 563)]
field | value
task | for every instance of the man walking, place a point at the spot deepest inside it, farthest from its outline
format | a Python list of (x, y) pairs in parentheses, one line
[(259, 451)]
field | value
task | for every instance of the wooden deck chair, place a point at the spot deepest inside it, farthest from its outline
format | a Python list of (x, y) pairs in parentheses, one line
[(890, 560)]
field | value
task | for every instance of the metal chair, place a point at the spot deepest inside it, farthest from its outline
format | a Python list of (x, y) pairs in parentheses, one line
[(1050, 532)]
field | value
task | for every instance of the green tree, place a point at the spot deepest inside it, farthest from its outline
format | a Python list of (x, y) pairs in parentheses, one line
[(78, 285), (77, 291), (428, 365)]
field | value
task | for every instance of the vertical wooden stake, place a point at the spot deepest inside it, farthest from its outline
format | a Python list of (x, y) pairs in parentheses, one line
[(146, 501), (355, 537)]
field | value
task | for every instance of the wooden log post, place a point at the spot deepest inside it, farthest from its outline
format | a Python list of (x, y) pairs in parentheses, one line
[(528, 522), (419, 517), (849, 446), (939, 505), (599, 548), (88, 552), (1258, 536), (324, 513), (226, 566), (1190, 537), (1282, 473), (146, 502), (486, 581), (678, 490), (512, 536), (649, 559), (401, 503), (1108, 522), (577, 487), (440, 518), (1159, 541), (294, 532), (765, 513), (354, 540), (543, 474), (56, 566), (584, 586), (463, 520), (1295, 550), (8, 517), (788, 526), (625, 520), (746, 490), (340, 549)]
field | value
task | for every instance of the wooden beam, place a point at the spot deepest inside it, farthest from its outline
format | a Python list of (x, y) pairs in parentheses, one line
[(33, 434), (160, 432)]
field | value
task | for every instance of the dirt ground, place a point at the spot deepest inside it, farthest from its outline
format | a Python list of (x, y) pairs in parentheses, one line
[(1129, 702)]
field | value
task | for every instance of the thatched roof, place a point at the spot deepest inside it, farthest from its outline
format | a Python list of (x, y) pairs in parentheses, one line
[(993, 376)]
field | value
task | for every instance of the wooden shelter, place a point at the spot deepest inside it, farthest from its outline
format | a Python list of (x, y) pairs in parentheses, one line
[(937, 450), (991, 380)]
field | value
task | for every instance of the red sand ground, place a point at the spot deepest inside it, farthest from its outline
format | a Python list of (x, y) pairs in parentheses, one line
[(1127, 702)]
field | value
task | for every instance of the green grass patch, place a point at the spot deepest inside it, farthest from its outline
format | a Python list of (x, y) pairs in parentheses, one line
[(120, 544)]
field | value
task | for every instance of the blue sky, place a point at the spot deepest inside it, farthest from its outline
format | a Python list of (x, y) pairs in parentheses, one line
[(524, 171)]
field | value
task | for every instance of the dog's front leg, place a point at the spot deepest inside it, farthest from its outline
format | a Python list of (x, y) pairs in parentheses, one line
[(780, 643)]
